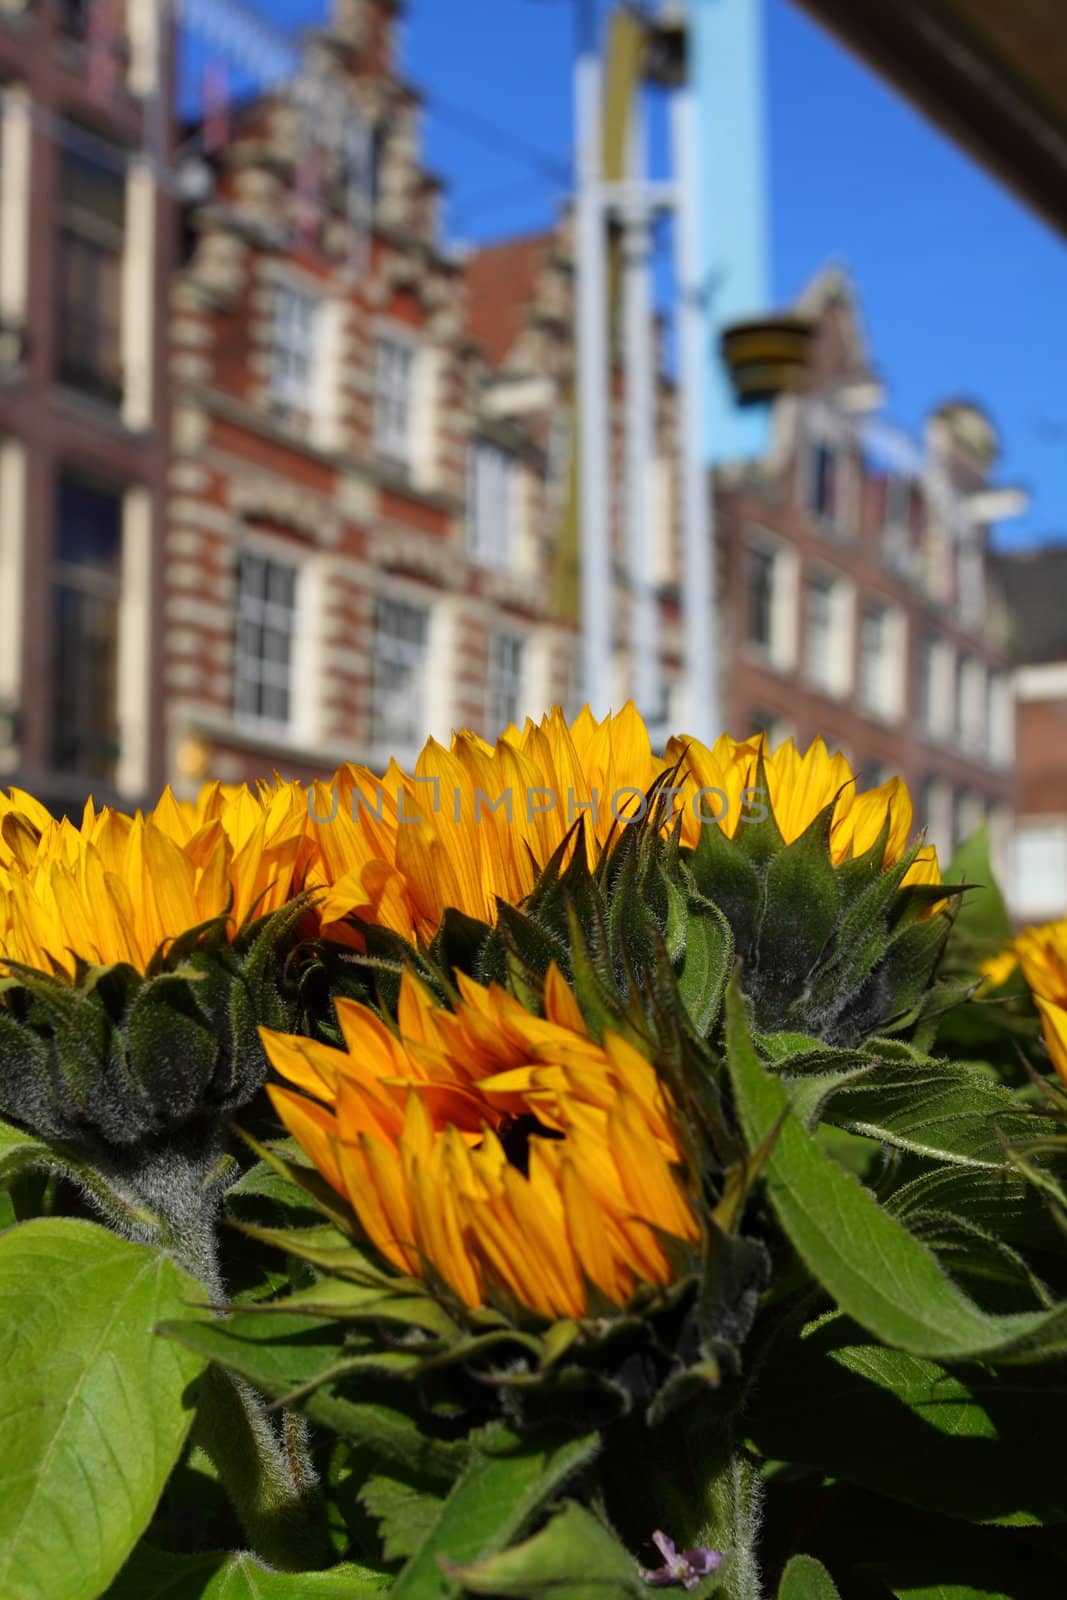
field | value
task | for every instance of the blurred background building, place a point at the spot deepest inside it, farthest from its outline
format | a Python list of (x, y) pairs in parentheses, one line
[(86, 248), (286, 478)]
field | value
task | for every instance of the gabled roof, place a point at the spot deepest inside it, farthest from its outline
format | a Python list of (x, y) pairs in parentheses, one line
[(1035, 587), (501, 285)]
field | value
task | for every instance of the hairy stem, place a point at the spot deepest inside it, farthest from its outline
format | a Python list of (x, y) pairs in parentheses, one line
[(270, 1484)]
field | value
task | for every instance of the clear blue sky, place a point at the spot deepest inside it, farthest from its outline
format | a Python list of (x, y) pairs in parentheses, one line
[(963, 291)]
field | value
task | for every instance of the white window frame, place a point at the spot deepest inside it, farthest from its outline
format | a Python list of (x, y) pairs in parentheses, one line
[(874, 705), (1039, 866), (494, 488), (899, 555), (403, 653), (824, 427), (820, 675), (971, 705), (396, 361), (295, 344), (506, 680), (254, 673)]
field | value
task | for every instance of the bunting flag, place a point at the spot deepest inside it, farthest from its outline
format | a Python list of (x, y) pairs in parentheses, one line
[(101, 41), (215, 132)]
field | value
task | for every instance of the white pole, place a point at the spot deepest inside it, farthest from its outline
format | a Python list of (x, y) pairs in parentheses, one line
[(640, 429), (593, 530), (704, 719)]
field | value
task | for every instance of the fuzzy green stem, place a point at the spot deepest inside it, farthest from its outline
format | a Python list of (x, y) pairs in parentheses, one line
[(735, 1496), (268, 1480)]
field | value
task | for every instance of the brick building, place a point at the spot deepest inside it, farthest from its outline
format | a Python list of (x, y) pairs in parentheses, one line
[(1035, 584), (371, 446), (85, 130), (856, 593), (360, 528)]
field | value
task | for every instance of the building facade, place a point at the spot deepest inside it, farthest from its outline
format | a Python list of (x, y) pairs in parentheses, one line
[(86, 222), (857, 596), (371, 446), (1035, 584), (286, 481)]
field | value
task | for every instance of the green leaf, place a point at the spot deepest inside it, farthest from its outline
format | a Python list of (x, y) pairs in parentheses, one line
[(401, 1512), (983, 919), (864, 1258), (284, 1353), (968, 1444), (96, 1407), (943, 1110), (709, 949), (19, 1152), (806, 1579), (573, 1558), (158, 1575), (506, 1481)]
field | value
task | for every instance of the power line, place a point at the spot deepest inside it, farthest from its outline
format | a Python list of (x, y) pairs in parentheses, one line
[(487, 132)]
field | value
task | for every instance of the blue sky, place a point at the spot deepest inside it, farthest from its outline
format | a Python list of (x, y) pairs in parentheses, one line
[(962, 289)]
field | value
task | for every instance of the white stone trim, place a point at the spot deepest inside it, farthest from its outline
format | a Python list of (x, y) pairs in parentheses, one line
[(16, 145), (12, 564), (134, 643), (1045, 681), (138, 294)]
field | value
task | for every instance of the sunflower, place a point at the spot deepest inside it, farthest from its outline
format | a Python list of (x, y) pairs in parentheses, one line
[(118, 888), (477, 822), (1042, 954), (508, 1156), (798, 787)]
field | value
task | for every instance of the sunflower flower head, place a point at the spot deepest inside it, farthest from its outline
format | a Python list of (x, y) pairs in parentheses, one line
[(509, 1159), (1041, 953), (827, 898), (137, 954)]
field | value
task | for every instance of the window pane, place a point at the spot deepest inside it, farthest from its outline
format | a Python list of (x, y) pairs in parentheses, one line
[(265, 624), (294, 336), (400, 656), (85, 607), (760, 596)]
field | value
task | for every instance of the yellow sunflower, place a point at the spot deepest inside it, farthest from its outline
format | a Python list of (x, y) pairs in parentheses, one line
[(508, 1155), (476, 822), (117, 888), (1042, 954)]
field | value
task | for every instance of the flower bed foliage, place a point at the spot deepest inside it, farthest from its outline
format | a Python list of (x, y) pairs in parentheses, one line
[(559, 1171)]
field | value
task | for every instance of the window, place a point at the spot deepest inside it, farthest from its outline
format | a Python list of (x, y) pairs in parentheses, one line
[(92, 220), (293, 348), (401, 636), (968, 814), (971, 701), (818, 632), (1000, 719), (926, 685), (394, 376), (970, 580), (905, 515), (1040, 868), (492, 484), (760, 585), (86, 592), (825, 484), (505, 681), (266, 618), (874, 649), (935, 814)]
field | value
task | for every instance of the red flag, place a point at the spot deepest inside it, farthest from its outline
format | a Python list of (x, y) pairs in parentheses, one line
[(101, 42), (215, 132)]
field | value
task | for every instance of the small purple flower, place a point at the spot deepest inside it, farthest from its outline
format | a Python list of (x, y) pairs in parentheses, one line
[(686, 1567)]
